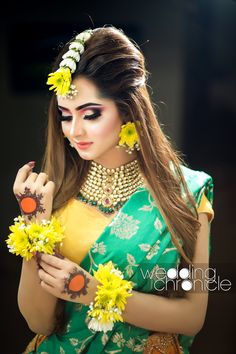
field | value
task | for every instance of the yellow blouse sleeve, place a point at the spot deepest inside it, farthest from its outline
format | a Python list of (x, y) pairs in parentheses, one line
[(206, 207)]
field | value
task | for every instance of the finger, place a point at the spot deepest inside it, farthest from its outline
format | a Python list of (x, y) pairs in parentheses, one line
[(48, 288), (41, 180), (23, 173), (54, 272), (37, 258), (31, 178), (52, 261), (49, 187), (59, 255), (46, 278)]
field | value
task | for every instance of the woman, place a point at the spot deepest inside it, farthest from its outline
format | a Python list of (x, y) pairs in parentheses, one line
[(123, 195)]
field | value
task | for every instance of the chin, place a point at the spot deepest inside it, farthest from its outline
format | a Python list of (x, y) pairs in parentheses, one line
[(97, 156), (86, 155), (87, 158)]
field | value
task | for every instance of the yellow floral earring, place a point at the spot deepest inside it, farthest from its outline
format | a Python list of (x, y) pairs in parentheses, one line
[(129, 137)]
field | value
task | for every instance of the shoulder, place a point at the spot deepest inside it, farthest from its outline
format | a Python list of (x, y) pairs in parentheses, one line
[(195, 176), (198, 182)]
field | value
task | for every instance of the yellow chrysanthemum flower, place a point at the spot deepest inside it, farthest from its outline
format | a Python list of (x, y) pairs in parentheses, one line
[(128, 135), (26, 239), (60, 81), (110, 298)]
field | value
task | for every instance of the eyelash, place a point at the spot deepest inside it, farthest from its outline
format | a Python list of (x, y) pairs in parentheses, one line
[(95, 115)]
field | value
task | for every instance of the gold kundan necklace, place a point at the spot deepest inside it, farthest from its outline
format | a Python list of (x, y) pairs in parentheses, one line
[(110, 188)]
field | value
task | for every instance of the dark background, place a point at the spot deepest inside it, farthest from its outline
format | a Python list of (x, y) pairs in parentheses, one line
[(190, 50)]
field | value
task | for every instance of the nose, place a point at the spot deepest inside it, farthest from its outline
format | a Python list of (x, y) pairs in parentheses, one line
[(76, 128)]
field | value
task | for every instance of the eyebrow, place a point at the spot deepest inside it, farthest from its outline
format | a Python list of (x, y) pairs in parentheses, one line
[(82, 106)]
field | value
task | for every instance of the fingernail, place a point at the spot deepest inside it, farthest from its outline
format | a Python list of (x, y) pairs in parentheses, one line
[(31, 164), (37, 257)]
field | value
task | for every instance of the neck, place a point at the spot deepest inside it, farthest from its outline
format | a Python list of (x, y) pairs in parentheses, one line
[(117, 161), (115, 164)]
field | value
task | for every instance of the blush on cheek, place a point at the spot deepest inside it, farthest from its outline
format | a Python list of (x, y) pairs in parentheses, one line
[(106, 128)]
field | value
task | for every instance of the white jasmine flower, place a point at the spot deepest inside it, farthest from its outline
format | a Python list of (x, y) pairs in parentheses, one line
[(97, 326), (72, 54), (69, 63), (117, 273), (78, 46), (84, 36)]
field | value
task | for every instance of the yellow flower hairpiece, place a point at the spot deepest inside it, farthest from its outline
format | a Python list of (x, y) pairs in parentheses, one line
[(27, 238), (60, 81), (61, 78)]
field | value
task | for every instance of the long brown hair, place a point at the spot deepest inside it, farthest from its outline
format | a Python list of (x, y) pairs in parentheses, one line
[(116, 65)]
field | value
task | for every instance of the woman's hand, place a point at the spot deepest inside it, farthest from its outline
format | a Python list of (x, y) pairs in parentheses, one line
[(34, 193), (66, 280)]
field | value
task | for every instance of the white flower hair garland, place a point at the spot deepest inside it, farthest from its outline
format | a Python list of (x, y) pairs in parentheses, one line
[(60, 80)]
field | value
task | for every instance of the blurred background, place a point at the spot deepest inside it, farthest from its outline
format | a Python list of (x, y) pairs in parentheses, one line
[(190, 50)]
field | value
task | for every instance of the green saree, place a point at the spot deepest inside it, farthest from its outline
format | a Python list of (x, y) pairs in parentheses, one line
[(138, 243)]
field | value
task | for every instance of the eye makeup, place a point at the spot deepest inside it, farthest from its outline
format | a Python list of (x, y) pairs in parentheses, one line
[(96, 112), (62, 118)]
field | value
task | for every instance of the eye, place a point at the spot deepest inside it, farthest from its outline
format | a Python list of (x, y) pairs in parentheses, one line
[(94, 113), (63, 118)]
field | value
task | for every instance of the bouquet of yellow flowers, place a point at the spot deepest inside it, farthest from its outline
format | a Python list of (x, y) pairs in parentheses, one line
[(26, 239), (110, 298)]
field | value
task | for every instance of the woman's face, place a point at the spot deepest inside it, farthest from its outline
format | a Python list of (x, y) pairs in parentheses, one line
[(91, 118)]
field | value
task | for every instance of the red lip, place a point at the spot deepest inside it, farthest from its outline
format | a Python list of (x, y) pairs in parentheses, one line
[(84, 142), (83, 145)]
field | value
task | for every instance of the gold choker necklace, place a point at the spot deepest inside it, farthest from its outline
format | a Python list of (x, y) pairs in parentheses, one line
[(110, 188)]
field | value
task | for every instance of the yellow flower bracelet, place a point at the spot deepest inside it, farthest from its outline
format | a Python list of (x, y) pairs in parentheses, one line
[(28, 238), (110, 298)]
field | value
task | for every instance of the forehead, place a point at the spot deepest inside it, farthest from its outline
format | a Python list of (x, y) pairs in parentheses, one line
[(87, 92), (86, 87)]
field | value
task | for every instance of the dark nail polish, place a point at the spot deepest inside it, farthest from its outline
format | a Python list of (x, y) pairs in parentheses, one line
[(37, 257), (31, 164)]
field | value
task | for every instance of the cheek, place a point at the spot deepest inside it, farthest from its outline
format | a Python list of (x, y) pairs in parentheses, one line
[(105, 129), (65, 129)]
